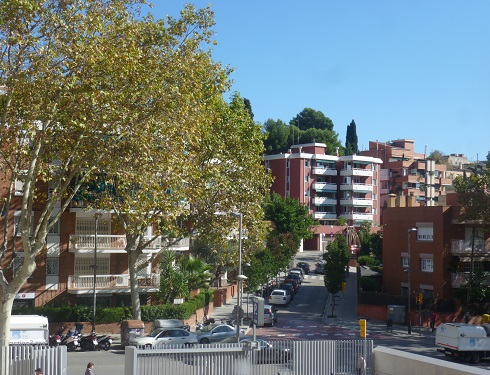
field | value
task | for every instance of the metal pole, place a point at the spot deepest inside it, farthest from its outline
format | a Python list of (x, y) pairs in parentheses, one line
[(470, 279), (409, 287), (95, 272), (239, 305)]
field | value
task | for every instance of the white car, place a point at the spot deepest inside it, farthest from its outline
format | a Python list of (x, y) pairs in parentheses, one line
[(165, 336), (280, 297)]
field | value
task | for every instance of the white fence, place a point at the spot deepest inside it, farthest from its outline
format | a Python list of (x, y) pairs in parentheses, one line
[(24, 360), (279, 357)]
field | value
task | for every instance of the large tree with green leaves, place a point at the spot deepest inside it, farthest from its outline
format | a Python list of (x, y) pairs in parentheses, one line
[(351, 146), (73, 103), (309, 118), (474, 197), (336, 259), (289, 216), (278, 136)]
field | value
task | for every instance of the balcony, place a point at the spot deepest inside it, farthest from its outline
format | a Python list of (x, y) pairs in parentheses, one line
[(107, 244), (362, 202), (459, 279), (459, 247), (361, 188), (324, 201), (325, 216), (81, 284), (325, 171), (324, 186), (363, 216), (357, 172)]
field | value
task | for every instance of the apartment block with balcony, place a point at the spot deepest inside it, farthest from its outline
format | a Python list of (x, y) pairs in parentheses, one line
[(443, 250), (405, 172), (65, 271), (331, 186)]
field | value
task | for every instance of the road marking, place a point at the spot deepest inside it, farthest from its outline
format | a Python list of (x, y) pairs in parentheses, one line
[(281, 335), (310, 334)]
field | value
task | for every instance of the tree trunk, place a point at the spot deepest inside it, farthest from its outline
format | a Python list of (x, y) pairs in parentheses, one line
[(133, 282), (6, 304)]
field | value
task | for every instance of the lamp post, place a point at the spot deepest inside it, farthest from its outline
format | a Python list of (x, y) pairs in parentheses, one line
[(409, 288), (96, 216), (240, 277)]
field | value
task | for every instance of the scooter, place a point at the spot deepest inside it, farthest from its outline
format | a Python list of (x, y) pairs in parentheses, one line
[(72, 338), (89, 342), (55, 339), (104, 342)]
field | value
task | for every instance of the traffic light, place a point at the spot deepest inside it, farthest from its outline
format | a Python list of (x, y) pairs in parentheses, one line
[(362, 327), (419, 298), (344, 286)]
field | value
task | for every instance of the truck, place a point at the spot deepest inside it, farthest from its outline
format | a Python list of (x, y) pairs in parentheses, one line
[(29, 330), (464, 341)]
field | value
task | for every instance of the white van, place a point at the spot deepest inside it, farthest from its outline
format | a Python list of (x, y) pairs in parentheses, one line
[(29, 330)]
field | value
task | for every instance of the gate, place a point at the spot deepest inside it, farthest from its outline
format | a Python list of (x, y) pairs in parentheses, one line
[(324, 357), (26, 359)]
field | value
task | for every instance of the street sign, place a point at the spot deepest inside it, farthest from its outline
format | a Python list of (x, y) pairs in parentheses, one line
[(256, 310)]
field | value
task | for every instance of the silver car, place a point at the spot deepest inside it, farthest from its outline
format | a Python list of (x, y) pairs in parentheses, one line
[(165, 336), (216, 333)]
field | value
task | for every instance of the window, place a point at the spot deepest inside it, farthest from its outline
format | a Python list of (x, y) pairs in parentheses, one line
[(17, 263), (426, 265), (55, 229), (307, 163), (375, 197), (425, 232), (405, 262), (17, 227), (375, 182), (52, 266), (307, 178)]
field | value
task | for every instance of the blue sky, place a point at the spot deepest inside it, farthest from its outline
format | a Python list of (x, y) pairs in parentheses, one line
[(401, 69)]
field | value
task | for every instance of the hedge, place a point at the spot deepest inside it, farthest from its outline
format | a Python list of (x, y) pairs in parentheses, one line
[(82, 313)]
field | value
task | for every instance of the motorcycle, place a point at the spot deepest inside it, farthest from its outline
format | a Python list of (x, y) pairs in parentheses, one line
[(55, 339), (104, 342), (89, 342), (72, 338), (205, 322)]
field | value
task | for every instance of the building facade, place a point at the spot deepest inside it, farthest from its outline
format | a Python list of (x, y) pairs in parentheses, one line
[(80, 240), (330, 186), (437, 249), (405, 172)]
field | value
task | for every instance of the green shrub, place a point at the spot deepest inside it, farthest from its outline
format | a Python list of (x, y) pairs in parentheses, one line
[(368, 284), (367, 260)]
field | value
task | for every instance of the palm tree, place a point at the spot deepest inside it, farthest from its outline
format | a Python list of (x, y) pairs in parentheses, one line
[(196, 271)]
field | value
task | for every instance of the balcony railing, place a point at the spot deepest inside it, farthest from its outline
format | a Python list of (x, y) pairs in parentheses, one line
[(324, 201), (459, 279), (356, 202), (364, 216), (117, 243), (327, 186), (107, 282), (356, 172), (325, 215), (464, 247), (325, 171)]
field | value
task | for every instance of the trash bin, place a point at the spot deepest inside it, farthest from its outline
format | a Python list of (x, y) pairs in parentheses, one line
[(131, 329)]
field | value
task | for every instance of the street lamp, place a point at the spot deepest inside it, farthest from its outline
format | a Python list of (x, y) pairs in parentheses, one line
[(240, 277), (409, 288), (96, 216)]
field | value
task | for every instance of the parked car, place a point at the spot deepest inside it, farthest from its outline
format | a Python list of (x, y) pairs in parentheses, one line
[(305, 266), (288, 286), (270, 315), (216, 333), (280, 297), (165, 336)]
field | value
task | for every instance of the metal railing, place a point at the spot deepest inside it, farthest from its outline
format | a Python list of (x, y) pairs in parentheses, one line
[(26, 359), (118, 242), (81, 282), (322, 357)]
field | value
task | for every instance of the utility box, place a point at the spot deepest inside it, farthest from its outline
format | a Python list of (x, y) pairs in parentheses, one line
[(131, 329), (258, 315), (29, 330), (396, 313)]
